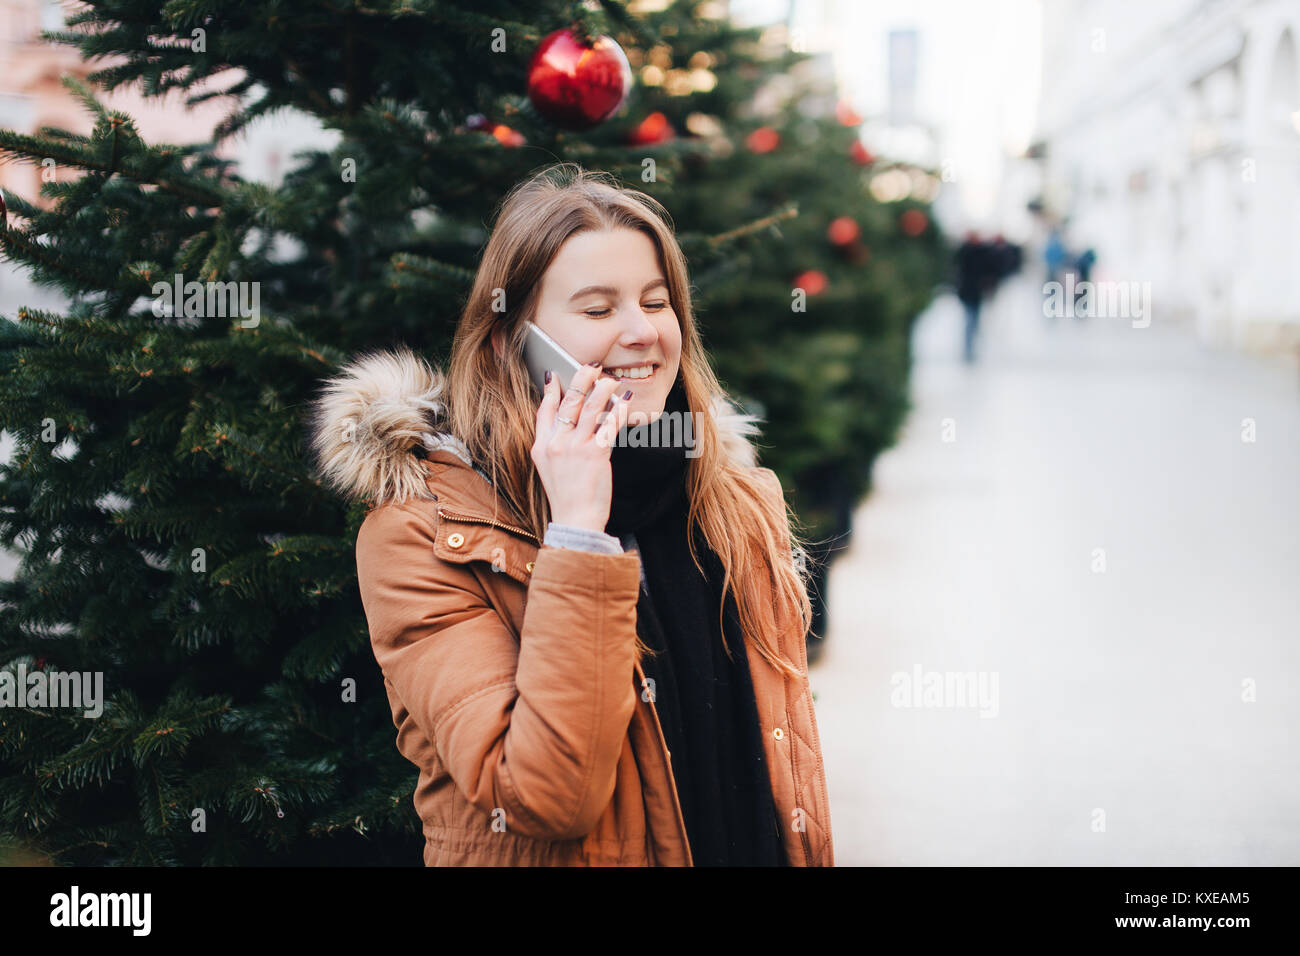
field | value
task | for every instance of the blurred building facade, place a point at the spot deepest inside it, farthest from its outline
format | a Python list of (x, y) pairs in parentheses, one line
[(32, 96), (1170, 143)]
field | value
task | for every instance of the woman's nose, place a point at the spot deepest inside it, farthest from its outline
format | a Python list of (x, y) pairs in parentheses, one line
[(637, 329)]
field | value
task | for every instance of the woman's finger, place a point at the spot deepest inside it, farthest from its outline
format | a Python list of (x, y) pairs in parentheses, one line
[(579, 387), (614, 420), (595, 405), (547, 409)]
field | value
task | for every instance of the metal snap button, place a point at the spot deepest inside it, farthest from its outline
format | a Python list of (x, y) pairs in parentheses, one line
[(777, 733), (455, 540), (529, 567)]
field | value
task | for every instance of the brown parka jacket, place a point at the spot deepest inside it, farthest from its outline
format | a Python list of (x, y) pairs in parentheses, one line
[(510, 666)]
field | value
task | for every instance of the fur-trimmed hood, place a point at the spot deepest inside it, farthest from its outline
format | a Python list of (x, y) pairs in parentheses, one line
[(370, 417)]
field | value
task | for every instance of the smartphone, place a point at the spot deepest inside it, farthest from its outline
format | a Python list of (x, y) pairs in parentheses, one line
[(541, 352)]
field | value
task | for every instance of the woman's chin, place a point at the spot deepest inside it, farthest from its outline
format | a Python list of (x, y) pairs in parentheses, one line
[(638, 417)]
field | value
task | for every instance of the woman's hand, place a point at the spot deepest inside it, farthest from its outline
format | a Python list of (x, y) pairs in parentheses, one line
[(573, 459)]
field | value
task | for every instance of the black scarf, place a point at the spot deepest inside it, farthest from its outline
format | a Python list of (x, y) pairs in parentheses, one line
[(705, 701)]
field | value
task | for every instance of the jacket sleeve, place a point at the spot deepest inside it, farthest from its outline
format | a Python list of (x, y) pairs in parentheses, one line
[(581, 539), (534, 727)]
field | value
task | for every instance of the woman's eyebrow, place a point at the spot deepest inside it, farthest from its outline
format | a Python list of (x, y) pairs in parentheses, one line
[(610, 290)]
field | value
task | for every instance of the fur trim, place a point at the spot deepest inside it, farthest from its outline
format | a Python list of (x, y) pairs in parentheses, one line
[(736, 430), (369, 418)]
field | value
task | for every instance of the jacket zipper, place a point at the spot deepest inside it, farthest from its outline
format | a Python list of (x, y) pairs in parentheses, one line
[(443, 513)]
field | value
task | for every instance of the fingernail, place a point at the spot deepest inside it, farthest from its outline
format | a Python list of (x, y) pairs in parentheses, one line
[(627, 394), (594, 364), (548, 376)]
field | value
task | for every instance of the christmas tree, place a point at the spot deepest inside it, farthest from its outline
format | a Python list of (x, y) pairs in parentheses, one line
[(174, 536)]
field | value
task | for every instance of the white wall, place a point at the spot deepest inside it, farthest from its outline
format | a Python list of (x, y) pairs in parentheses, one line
[(1173, 132)]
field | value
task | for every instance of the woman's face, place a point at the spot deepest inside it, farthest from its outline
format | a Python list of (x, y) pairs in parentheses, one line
[(605, 299)]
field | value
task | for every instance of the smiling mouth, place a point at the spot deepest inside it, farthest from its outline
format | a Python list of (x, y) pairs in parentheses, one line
[(654, 370)]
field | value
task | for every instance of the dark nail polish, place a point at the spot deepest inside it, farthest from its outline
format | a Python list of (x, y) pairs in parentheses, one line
[(548, 376), (627, 394), (594, 364)]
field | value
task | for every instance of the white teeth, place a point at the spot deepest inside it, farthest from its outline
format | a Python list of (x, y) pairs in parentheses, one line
[(645, 371)]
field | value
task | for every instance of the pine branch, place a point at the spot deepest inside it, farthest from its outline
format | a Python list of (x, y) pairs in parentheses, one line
[(143, 170), (30, 251), (82, 92), (406, 264), (465, 21), (616, 11), (724, 238)]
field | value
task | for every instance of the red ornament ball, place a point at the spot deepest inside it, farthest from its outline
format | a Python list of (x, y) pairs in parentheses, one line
[(506, 136), (843, 230), (846, 115), (763, 140), (655, 128), (578, 85), (860, 154), (913, 222), (812, 282)]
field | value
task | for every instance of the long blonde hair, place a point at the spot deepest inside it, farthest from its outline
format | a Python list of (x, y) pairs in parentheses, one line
[(492, 406)]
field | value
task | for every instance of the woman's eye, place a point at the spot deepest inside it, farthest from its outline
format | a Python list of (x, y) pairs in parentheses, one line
[(601, 313)]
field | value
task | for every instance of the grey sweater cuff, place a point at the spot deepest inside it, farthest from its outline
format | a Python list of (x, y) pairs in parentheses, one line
[(581, 539)]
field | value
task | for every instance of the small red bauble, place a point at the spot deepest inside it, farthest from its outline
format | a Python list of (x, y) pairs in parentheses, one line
[(577, 85), (846, 115), (843, 230), (861, 155), (812, 282), (506, 136), (655, 128), (763, 140), (913, 222)]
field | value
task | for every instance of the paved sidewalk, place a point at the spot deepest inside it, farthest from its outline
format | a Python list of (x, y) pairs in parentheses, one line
[(1118, 692)]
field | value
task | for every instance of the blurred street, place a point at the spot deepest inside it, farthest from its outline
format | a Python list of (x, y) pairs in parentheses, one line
[(1119, 691)]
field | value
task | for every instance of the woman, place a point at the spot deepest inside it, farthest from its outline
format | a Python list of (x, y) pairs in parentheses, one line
[(545, 594)]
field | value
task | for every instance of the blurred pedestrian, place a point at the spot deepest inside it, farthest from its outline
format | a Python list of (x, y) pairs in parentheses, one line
[(1083, 264), (975, 275), (1054, 257), (1006, 258)]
